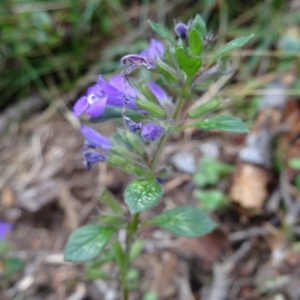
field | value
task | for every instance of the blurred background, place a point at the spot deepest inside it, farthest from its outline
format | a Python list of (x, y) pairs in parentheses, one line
[(50, 52)]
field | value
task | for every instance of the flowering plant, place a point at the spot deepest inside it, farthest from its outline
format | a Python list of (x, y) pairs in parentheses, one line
[(150, 115)]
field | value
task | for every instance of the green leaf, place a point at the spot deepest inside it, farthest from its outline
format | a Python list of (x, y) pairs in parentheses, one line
[(189, 64), (119, 256), (86, 242), (111, 113), (210, 171), (136, 249), (203, 109), (195, 42), (154, 109), (212, 199), (142, 194), (224, 123), (294, 163), (199, 24), (168, 72), (162, 31), (236, 43), (186, 221)]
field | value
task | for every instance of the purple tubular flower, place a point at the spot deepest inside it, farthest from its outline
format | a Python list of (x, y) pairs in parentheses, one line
[(181, 30), (94, 144), (159, 93), (118, 91), (151, 132), (155, 50), (145, 58), (132, 126), (93, 104), (5, 228), (95, 139), (91, 157)]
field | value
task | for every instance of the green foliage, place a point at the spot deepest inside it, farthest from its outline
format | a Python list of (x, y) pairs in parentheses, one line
[(199, 24), (114, 113), (162, 32), (239, 42), (189, 64), (87, 242), (154, 109), (195, 42), (211, 199), (210, 171), (142, 194), (12, 265), (203, 109), (294, 163), (185, 221), (224, 123)]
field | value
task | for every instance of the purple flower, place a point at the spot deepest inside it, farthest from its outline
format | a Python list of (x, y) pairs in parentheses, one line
[(118, 91), (145, 58), (93, 104), (160, 94), (4, 229), (152, 132), (94, 144), (132, 126), (181, 30), (92, 157), (155, 50), (94, 139)]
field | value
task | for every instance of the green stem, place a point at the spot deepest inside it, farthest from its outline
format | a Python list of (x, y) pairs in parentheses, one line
[(165, 137), (131, 231), (133, 225)]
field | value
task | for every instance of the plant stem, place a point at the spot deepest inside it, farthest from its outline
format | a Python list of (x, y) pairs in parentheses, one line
[(165, 137), (133, 225), (131, 231)]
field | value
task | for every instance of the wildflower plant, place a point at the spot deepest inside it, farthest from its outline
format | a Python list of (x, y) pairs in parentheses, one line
[(150, 114)]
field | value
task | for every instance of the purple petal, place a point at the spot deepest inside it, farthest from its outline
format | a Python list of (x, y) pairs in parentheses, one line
[(132, 126), (152, 132), (95, 93), (5, 228), (158, 92), (97, 108), (155, 50), (80, 106), (120, 83), (92, 157), (115, 96), (181, 30), (96, 139)]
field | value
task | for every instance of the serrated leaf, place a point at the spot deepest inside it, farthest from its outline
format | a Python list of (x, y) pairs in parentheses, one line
[(185, 221), (236, 43), (162, 31), (111, 113), (224, 123), (142, 194), (86, 242), (195, 42), (189, 64)]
